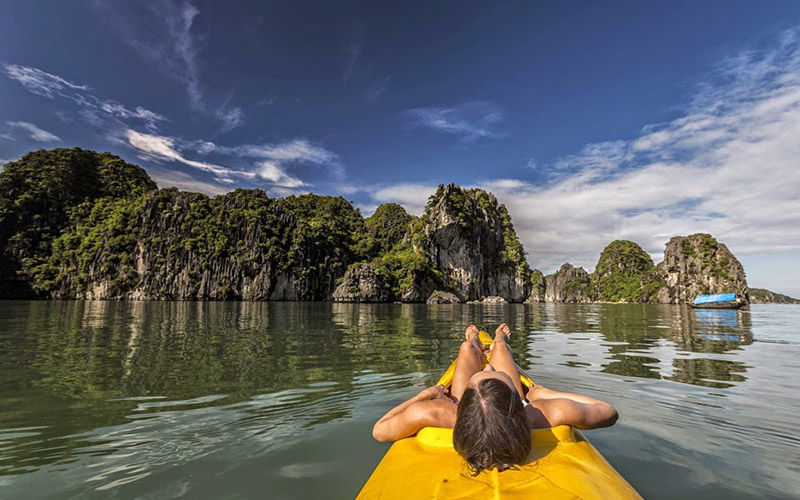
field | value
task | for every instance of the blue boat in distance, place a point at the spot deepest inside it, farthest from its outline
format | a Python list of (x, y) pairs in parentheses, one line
[(719, 301)]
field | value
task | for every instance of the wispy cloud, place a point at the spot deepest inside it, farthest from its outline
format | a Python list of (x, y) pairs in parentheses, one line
[(469, 121), (230, 117), (181, 180), (277, 158), (53, 86), (274, 159), (34, 132), (353, 53), (377, 89), (41, 82), (273, 173), (162, 34), (296, 150), (728, 166), (158, 147)]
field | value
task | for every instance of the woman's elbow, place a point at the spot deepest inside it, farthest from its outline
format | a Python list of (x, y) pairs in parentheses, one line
[(611, 417), (380, 432)]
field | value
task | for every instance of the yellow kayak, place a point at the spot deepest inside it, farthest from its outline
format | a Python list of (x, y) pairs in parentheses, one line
[(562, 464)]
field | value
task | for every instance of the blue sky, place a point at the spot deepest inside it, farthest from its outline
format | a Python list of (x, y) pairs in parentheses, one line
[(591, 121)]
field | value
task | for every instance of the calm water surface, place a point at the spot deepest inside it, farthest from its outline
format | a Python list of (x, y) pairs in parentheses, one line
[(277, 400)]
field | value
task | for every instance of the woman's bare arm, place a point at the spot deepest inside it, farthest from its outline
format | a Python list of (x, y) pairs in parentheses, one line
[(563, 408), (431, 407)]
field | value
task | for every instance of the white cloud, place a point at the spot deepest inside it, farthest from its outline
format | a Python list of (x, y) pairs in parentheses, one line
[(297, 150), (163, 148), (40, 82), (469, 121), (729, 167), (230, 117), (273, 173), (366, 209), (34, 132), (183, 181), (412, 196), (51, 86), (277, 158)]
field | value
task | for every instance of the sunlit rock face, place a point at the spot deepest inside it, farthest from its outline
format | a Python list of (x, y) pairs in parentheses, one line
[(361, 284), (470, 241), (537, 284), (568, 284), (440, 297), (695, 265)]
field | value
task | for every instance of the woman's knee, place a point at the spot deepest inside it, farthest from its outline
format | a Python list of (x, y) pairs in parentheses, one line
[(468, 349), (500, 345)]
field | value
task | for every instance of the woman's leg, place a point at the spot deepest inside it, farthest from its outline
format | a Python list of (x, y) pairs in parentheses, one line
[(502, 360), (468, 362)]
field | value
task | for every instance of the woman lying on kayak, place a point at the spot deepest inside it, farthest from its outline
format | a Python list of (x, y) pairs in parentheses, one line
[(489, 412)]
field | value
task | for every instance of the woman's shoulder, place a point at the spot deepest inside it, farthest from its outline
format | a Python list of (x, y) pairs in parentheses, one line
[(440, 412), (544, 413)]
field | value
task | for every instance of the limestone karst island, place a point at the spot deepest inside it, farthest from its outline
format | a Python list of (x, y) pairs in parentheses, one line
[(76, 224)]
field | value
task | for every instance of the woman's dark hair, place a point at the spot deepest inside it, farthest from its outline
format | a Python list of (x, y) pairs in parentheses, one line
[(491, 429)]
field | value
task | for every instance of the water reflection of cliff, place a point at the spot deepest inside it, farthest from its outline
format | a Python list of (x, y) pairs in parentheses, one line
[(182, 349), (94, 350), (641, 330)]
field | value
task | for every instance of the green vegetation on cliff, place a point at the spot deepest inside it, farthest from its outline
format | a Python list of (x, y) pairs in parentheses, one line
[(394, 242), (40, 194), (764, 296), (80, 224), (75, 221), (384, 229), (623, 274)]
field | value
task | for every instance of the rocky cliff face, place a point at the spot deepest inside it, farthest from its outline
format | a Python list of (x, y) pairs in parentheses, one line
[(537, 287), (185, 246), (469, 238), (695, 265), (361, 283), (78, 224), (568, 284)]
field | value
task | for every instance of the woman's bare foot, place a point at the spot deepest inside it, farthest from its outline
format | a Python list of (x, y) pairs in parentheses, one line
[(472, 335), (502, 333)]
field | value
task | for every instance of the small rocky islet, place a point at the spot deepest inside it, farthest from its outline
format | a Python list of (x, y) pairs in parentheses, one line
[(76, 224)]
